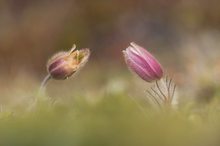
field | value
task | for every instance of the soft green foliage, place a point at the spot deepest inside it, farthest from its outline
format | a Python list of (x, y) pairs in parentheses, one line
[(115, 120)]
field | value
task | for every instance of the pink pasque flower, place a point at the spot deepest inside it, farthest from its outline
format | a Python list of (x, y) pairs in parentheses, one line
[(143, 63)]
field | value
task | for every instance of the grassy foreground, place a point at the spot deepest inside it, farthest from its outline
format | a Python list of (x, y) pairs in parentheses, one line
[(115, 120)]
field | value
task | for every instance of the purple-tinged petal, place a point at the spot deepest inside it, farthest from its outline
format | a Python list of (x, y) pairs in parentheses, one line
[(143, 73), (62, 65), (143, 63), (155, 65)]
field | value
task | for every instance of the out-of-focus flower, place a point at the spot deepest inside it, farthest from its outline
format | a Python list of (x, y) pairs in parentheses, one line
[(63, 64), (143, 63)]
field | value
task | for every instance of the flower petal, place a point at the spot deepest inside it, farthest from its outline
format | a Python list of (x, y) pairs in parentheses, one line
[(152, 61)]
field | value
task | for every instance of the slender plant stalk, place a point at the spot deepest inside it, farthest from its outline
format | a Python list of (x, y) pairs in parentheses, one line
[(44, 83)]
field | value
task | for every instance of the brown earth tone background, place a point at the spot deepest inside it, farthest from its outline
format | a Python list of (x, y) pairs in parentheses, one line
[(183, 34)]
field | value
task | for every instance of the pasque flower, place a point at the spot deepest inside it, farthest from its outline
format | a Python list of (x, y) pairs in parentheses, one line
[(62, 65), (140, 61), (143, 63)]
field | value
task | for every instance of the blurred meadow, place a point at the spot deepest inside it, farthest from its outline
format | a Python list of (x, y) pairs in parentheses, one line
[(105, 104)]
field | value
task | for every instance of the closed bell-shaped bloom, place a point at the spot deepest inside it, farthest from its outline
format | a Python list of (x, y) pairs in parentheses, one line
[(140, 61), (63, 64)]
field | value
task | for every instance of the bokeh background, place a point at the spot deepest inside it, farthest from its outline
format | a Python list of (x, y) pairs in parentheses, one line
[(183, 34), (105, 104)]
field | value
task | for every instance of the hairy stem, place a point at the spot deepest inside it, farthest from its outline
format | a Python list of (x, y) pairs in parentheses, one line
[(44, 83)]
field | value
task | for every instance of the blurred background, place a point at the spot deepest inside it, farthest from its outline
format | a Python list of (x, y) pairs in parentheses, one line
[(105, 104), (183, 34)]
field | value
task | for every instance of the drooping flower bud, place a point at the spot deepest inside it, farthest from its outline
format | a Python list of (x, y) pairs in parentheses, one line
[(63, 64), (143, 63)]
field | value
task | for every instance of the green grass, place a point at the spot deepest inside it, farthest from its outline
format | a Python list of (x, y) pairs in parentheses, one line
[(104, 109), (114, 120)]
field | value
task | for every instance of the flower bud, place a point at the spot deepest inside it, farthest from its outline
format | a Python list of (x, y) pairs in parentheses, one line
[(63, 64), (143, 63)]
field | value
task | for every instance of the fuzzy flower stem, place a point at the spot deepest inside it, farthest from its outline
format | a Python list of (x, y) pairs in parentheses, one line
[(43, 83)]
